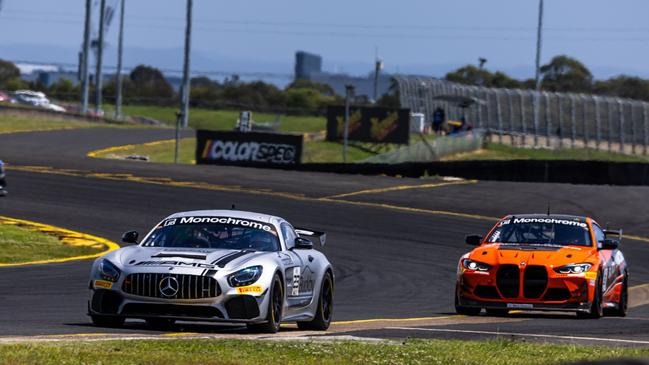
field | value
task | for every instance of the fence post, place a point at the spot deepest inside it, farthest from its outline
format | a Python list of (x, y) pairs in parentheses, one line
[(620, 111), (573, 117), (645, 129), (523, 125), (510, 100), (500, 118), (537, 108), (548, 116), (560, 124), (598, 124), (633, 135), (610, 125), (585, 117)]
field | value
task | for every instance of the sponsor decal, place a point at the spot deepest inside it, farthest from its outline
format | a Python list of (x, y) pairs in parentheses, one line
[(103, 284), (250, 289), (296, 281), (520, 306), (250, 147), (590, 275), (176, 263), (218, 220), (543, 220)]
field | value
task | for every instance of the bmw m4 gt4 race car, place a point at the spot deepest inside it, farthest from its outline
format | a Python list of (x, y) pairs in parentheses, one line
[(544, 262), (216, 265)]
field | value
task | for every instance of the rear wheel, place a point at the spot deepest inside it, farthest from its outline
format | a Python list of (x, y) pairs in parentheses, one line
[(323, 315), (467, 311), (160, 323), (275, 305), (107, 321), (623, 304), (596, 309)]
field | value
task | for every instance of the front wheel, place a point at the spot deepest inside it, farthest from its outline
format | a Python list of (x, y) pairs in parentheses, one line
[(467, 311), (275, 305), (596, 309), (323, 315), (107, 321)]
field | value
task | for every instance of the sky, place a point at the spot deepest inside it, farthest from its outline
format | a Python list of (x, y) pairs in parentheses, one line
[(429, 37)]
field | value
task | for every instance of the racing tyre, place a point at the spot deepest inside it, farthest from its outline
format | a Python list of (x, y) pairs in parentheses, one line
[(596, 310), (160, 323), (467, 311), (275, 305), (623, 305), (107, 321), (497, 312), (323, 315)]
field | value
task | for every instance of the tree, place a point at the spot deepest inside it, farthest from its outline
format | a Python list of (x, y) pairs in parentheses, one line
[(148, 82), (566, 74), (624, 86), (323, 89), (8, 72), (471, 75)]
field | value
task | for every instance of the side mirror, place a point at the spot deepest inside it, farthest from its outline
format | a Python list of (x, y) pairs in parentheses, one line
[(303, 244), (473, 239), (609, 244), (130, 237)]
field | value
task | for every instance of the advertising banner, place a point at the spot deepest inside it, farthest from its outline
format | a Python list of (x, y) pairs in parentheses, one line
[(369, 124), (250, 148)]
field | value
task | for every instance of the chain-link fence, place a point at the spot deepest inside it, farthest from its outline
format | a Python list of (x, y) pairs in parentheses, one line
[(561, 119)]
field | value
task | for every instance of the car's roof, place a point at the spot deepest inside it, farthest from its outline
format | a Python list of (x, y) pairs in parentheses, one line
[(228, 213), (551, 216)]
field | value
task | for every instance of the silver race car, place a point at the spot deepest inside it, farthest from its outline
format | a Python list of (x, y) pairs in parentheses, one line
[(216, 265)]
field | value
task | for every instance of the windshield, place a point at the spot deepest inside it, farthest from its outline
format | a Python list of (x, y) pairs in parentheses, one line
[(541, 231), (214, 233)]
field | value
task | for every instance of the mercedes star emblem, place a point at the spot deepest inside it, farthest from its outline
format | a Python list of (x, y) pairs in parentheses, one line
[(168, 286)]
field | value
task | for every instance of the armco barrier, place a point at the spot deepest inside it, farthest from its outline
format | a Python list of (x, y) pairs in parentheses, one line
[(551, 171)]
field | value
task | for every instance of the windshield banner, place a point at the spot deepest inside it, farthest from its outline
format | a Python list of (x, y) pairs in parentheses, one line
[(217, 220)]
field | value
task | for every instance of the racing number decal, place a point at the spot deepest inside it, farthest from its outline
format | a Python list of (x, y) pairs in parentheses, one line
[(296, 281)]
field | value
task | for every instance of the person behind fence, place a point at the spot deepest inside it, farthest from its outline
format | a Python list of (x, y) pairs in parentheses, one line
[(438, 119)]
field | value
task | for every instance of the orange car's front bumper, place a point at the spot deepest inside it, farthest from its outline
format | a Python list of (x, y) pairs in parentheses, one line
[(546, 290)]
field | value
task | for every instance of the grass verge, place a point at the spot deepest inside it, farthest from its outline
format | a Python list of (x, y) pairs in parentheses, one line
[(495, 151), (314, 151), (222, 119), (11, 122), (19, 244), (304, 352)]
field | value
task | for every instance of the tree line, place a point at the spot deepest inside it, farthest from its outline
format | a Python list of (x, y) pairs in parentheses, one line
[(561, 74)]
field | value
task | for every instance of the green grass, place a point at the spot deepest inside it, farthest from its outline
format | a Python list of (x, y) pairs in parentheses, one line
[(16, 122), (21, 245), (314, 151), (305, 352), (222, 119), (495, 151)]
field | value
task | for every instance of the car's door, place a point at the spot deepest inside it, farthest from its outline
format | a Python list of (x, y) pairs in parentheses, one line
[(610, 268), (297, 271)]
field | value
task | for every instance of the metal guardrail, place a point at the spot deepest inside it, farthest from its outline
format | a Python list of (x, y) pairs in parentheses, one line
[(575, 120)]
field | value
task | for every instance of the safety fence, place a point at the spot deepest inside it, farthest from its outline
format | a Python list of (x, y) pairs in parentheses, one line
[(560, 119)]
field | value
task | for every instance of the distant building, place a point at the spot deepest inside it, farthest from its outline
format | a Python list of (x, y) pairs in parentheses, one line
[(306, 65), (309, 67)]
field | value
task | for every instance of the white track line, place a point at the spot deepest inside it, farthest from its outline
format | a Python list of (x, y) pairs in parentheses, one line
[(578, 338)]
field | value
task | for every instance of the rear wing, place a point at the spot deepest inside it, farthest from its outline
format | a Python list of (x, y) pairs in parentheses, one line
[(615, 234), (321, 237)]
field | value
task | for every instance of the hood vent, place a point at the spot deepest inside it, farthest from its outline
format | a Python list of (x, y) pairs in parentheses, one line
[(186, 255)]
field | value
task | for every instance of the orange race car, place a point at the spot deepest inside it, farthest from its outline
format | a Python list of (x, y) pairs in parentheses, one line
[(544, 262)]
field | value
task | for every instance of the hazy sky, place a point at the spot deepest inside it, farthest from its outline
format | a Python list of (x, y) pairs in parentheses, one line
[(412, 36)]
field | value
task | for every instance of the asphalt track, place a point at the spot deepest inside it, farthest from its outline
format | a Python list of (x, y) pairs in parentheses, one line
[(394, 242)]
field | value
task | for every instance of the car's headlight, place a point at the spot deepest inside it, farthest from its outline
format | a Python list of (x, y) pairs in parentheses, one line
[(573, 269), (245, 276), (475, 265), (108, 270)]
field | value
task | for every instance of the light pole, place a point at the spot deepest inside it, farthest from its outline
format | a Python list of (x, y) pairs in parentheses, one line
[(85, 84), (378, 66), (349, 92), (100, 51), (120, 50), (537, 74), (185, 88)]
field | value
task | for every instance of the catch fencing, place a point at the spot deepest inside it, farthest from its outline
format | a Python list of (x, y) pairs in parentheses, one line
[(562, 119)]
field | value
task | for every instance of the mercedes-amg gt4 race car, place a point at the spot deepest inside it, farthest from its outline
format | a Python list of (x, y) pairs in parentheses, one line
[(216, 265), (544, 262)]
